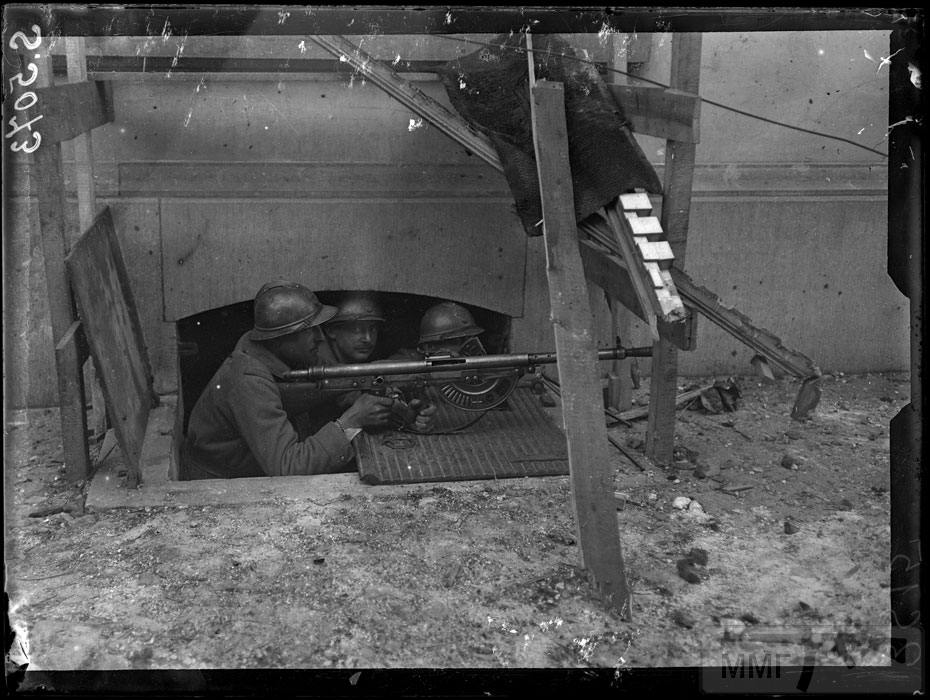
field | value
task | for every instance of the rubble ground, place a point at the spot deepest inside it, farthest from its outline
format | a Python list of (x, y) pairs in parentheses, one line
[(780, 532)]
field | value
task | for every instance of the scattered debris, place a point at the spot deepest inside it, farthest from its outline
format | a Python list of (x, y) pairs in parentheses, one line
[(789, 461), (761, 365), (698, 556), (687, 571), (732, 425), (807, 611), (845, 504), (451, 574), (683, 399), (623, 498), (702, 471), (791, 528), (732, 628), (681, 502), (729, 392), (69, 507), (616, 443), (749, 618), (683, 619), (807, 399), (734, 488)]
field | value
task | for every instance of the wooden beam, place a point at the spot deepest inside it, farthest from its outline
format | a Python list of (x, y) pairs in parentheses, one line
[(66, 111), (610, 273), (582, 402), (113, 332), (446, 121), (66, 19), (49, 186), (676, 212), (742, 328), (619, 379), (87, 210), (662, 112)]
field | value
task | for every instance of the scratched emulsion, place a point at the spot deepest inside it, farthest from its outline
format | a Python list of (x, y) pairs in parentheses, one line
[(518, 442)]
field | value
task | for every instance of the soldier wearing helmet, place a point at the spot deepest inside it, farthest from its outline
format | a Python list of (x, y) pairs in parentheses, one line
[(352, 334), (448, 327), (239, 426), (350, 337)]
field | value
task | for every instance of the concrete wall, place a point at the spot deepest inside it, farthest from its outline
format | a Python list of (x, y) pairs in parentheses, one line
[(787, 227)]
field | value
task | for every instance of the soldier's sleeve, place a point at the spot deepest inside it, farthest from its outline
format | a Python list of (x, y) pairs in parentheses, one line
[(264, 425)]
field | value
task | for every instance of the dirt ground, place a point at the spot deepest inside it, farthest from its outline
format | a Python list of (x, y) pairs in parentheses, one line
[(482, 574)]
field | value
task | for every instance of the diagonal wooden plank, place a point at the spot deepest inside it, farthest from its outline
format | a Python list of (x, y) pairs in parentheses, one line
[(582, 403), (446, 121), (610, 273)]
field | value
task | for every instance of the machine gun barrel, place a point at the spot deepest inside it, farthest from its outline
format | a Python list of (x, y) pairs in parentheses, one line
[(447, 363)]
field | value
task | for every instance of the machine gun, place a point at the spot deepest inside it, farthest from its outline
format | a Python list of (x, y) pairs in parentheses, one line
[(470, 383)]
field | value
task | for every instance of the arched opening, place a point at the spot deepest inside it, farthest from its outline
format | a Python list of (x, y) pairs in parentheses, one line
[(206, 339)]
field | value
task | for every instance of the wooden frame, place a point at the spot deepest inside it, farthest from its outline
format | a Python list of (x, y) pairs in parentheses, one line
[(669, 113)]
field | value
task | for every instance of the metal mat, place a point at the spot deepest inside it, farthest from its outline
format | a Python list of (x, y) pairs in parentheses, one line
[(517, 440)]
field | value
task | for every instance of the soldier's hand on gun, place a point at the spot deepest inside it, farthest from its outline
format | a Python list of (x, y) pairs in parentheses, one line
[(424, 415), (368, 411)]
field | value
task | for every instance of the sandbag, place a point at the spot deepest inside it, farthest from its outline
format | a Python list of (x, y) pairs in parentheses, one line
[(490, 90)]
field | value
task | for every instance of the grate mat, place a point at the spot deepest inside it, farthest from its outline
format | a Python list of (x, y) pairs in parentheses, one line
[(519, 440)]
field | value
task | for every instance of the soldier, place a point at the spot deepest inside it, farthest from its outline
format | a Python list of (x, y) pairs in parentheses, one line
[(449, 328), (239, 427), (351, 338), (352, 334)]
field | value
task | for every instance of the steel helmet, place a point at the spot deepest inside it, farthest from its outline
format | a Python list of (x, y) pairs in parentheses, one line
[(447, 320), (282, 308), (358, 306)]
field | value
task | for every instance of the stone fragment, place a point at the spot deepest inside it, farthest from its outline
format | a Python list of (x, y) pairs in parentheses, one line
[(681, 502)]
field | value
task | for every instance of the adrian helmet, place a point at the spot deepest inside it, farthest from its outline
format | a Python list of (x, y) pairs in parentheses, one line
[(358, 306), (447, 320), (282, 308)]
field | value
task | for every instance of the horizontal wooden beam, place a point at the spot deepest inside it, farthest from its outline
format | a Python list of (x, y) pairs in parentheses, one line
[(66, 111), (655, 111), (154, 20), (163, 65)]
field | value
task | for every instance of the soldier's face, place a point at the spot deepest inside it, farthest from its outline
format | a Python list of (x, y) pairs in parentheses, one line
[(354, 341), (299, 350)]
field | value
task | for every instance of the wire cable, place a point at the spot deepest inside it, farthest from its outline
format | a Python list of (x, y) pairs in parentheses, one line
[(719, 105)]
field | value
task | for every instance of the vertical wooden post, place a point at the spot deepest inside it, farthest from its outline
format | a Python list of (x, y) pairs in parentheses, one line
[(49, 187), (676, 212), (87, 210), (619, 378), (588, 459)]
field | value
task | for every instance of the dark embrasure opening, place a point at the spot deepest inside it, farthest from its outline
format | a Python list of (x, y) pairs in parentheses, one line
[(207, 338)]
